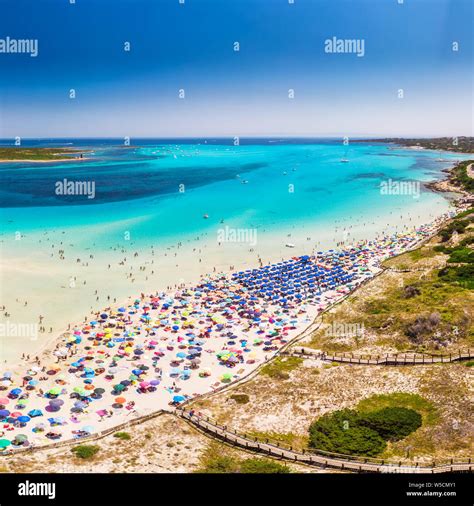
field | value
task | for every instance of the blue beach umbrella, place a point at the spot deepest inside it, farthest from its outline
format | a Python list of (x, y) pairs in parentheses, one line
[(35, 412)]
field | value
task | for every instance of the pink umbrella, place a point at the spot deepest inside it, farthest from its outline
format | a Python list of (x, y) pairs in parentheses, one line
[(4, 400), (144, 384)]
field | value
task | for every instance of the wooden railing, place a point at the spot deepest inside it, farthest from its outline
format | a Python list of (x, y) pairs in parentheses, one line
[(408, 358), (314, 457)]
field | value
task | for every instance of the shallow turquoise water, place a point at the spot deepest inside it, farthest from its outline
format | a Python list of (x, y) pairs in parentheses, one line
[(138, 189)]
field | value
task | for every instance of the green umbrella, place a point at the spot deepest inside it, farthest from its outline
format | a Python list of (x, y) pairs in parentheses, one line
[(4, 443), (56, 391), (21, 438), (119, 387)]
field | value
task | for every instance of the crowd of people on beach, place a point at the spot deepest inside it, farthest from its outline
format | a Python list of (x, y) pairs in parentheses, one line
[(165, 348)]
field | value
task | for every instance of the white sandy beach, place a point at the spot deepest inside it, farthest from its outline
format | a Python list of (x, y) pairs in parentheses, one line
[(159, 344), (65, 291)]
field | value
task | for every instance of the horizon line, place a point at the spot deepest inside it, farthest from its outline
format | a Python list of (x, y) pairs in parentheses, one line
[(369, 137)]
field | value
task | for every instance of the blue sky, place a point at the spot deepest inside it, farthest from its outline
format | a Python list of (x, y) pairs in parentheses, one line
[(229, 93)]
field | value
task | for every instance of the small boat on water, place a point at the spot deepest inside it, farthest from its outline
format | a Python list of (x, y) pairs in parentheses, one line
[(344, 160), (289, 245), (244, 181), (206, 216)]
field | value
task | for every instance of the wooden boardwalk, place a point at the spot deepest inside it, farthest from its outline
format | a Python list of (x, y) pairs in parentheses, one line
[(314, 458), (385, 359)]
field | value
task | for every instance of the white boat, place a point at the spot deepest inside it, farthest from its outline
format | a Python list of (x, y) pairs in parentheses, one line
[(289, 245), (344, 160)]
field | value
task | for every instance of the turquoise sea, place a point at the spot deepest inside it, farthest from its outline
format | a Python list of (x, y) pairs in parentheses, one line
[(160, 207), (160, 190)]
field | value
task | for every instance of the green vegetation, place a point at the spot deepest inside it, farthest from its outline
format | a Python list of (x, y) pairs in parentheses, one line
[(342, 432), (240, 398), (280, 367), (393, 424), (218, 459), (401, 399), (428, 307), (36, 154), (220, 465), (363, 433), (461, 176), (85, 451), (420, 254), (462, 255), (462, 275), (465, 213), (462, 145), (125, 436), (287, 439), (263, 466), (458, 226)]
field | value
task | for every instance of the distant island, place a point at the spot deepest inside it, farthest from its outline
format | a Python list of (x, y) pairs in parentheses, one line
[(19, 154), (36, 154), (462, 144)]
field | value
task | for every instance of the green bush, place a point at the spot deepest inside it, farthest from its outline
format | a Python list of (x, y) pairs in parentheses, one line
[(467, 241), (240, 398), (341, 432), (462, 255), (462, 178), (125, 436), (352, 433), (465, 213), (220, 465), (262, 466), (462, 275), (85, 451), (279, 368), (458, 226), (392, 424), (226, 464)]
